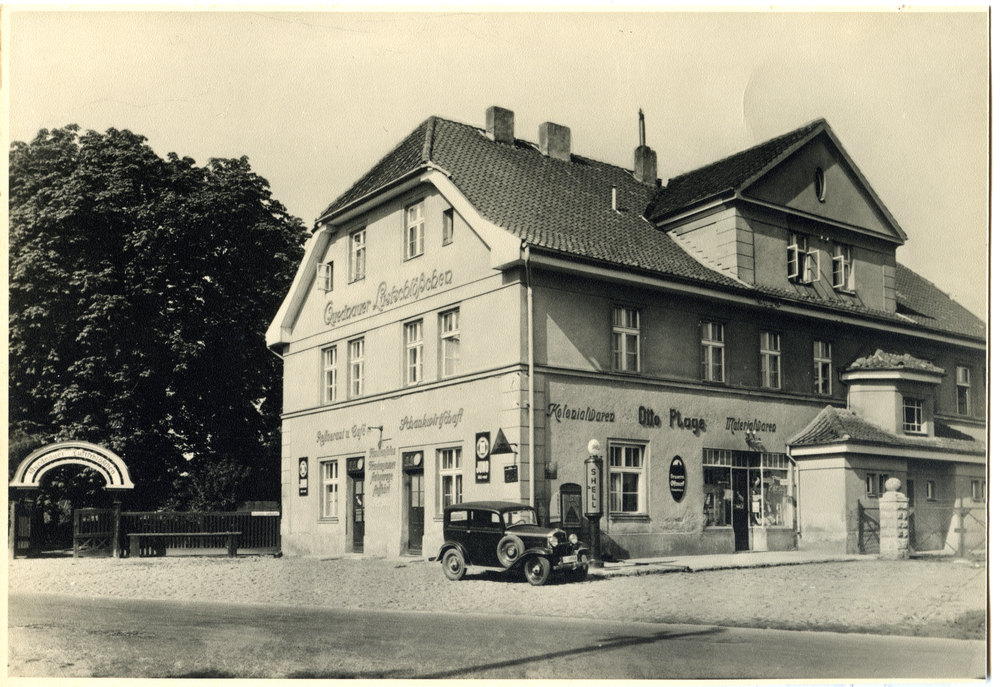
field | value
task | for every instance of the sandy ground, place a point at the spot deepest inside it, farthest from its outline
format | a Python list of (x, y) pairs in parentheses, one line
[(941, 598)]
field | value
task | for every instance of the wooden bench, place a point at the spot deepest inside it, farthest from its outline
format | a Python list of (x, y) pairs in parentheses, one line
[(159, 541)]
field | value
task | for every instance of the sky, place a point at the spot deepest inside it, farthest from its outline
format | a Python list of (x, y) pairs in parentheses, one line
[(315, 98)]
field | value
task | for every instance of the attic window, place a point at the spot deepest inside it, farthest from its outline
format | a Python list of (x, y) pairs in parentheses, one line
[(820, 182)]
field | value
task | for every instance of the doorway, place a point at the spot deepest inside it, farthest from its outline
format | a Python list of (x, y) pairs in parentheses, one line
[(356, 476), (415, 500), (741, 524)]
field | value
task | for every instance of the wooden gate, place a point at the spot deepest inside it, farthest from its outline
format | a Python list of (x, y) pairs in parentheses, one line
[(93, 532), (22, 514), (868, 529)]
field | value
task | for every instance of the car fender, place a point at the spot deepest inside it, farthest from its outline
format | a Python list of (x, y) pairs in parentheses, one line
[(528, 553), (452, 545)]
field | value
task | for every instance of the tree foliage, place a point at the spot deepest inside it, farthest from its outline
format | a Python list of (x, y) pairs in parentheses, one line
[(140, 291)]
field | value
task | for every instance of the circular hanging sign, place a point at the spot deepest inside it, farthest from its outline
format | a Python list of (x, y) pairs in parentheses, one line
[(678, 478)]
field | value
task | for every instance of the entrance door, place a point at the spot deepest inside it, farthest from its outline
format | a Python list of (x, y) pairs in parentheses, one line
[(741, 527), (415, 498)]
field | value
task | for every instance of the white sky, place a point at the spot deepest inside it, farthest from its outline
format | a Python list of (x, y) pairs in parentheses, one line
[(315, 98)]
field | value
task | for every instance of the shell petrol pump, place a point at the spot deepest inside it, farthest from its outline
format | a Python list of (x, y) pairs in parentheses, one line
[(593, 502)]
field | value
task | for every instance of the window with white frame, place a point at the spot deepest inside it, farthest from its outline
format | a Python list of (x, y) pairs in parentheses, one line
[(626, 466), (963, 382), (770, 360), (330, 374), (875, 484), (356, 264), (447, 226), (450, 344), (822, 368), (357, 367), (415, 230), (931, 490), (913, 415), (803, 264), (625, 339), (978, 490), (331, 504), (713, 352), (324, 277), (414, 334), (843, 267), (450, 477)]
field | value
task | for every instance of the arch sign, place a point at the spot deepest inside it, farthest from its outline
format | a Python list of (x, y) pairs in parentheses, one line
[(31, 470)]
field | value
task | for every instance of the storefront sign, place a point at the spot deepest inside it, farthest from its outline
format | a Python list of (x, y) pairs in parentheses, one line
[(387, 297), (303, 476), (649, 418), (678, 478), (735, 424), (564, 412), (324, 436), (380, 472), (439, 420), (509, 473), (482, 457)]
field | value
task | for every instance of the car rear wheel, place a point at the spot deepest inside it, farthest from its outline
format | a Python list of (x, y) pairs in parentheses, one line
[(453, 564), (509, 550), (537, 569)]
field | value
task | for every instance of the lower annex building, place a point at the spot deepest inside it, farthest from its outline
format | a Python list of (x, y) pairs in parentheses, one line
[(740, 341)]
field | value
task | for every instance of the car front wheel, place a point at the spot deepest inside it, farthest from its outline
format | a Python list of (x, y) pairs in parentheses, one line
[(537, 569), (453, 564)]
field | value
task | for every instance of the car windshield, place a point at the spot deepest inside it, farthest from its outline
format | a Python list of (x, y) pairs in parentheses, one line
[(525, 516)]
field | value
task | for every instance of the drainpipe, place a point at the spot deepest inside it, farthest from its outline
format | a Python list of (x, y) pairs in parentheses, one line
[(797, 525), (531, 380)]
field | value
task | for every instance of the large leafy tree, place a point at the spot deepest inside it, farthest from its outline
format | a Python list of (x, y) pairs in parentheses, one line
[(140, 290)]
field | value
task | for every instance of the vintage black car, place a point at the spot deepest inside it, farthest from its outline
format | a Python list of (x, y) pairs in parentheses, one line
[(506, 535)]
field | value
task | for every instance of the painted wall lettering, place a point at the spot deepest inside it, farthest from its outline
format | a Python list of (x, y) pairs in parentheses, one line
[(356, 431), (380, 472), (438, 420), (734, 425), (677, 420), (386, 297), (563, 412)]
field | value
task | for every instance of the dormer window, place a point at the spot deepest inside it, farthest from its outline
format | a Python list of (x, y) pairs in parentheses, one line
[(913, 415), (843, 267), (803, 264)]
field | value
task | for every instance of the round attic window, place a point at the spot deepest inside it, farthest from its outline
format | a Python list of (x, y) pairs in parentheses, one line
[(820, 183)]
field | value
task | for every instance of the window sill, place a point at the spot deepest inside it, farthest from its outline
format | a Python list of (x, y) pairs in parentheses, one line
[(915, 433), (630, 517), (328, 521)]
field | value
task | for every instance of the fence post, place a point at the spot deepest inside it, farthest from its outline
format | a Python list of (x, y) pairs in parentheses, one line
[(894, 524), (116, 529)]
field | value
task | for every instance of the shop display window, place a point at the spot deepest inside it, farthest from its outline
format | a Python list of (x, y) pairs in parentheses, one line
[(718, 497), (766, 486)]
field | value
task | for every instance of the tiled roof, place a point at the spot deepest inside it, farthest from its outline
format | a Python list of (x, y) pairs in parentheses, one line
[(880, 360), (839, 426), (727, 174), (565, 207)]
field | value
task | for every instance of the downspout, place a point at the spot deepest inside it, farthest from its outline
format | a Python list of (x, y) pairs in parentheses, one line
[(531, 379), (796, 515)]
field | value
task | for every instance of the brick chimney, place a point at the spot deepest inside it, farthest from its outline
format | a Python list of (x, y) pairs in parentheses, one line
[(554, 141), (499, 124), (645, 157)]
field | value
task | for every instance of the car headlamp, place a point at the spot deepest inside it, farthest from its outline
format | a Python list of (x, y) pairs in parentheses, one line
[(573, 539), (553, 540)]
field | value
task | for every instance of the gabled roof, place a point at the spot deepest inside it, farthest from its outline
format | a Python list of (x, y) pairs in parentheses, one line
[(564, 208), (837, 426), (728, 174)]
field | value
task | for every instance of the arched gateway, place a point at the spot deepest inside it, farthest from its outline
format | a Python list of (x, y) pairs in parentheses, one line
[(32, 469)]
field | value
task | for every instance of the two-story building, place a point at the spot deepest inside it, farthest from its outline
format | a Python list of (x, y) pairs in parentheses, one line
[(753, 363)]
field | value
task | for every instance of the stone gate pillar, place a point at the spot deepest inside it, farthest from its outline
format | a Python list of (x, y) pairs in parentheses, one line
[(894, 522)]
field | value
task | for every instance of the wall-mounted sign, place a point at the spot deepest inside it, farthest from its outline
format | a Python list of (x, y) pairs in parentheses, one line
[(735, 424), (676, 420), (303, 476), (482, 457), (563, 411), (387, 297), (509, 473), (501, 445), (678, 478), (592, 504), (571, 505)]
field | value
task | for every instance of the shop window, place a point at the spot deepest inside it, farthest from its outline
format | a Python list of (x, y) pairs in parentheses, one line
[(822, 368), (324, 277), (978, 490), (713, 352), (931, 491), (356, 263), (447, 227), (770, 360), (450, 344), (777, 501), (963, 382), (627, 474), (414, 335), (843, 267), (330, 374), (625, 339), (328, 470), (803, 264), (913, 415), (415, 230), (718, 507), (357, 367), (450, 476)]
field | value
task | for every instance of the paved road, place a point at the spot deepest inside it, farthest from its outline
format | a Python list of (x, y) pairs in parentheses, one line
[(65, 636)]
